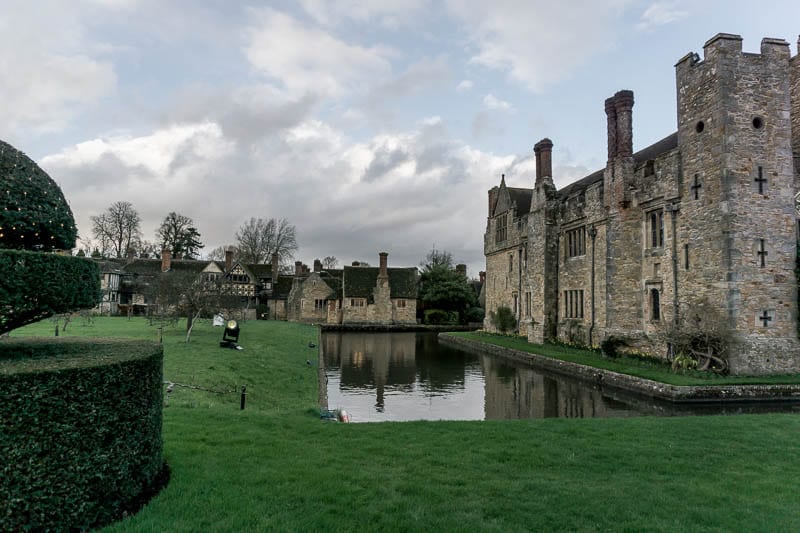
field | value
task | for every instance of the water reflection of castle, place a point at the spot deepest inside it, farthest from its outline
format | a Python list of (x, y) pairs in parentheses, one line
[(517, 391), (393, 362)]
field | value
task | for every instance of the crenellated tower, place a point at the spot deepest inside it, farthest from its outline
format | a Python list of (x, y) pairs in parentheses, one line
[(738, 221)]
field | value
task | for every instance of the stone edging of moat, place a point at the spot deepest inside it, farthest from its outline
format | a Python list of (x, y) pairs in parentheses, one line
[(633, 384), (393, 328)]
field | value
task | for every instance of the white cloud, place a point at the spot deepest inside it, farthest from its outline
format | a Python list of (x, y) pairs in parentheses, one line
[(536, 43), (388, 13), (47, 71), (348, 199), (660, 14), (464, 85), (494, 103), (310, 60)]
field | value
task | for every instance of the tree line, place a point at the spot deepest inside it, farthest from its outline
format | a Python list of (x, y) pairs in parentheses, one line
[(117, 233)]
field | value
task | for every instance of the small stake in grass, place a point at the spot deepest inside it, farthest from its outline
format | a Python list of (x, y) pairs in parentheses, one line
[(244, 394)]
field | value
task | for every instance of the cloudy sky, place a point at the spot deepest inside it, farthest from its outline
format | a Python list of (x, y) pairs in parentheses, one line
[(370, 125)]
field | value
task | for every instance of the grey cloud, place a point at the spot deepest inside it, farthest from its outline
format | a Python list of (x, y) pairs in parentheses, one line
[(384, 161)]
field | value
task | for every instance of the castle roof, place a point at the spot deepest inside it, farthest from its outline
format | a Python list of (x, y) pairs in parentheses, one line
[(522, 198), (668, 143)]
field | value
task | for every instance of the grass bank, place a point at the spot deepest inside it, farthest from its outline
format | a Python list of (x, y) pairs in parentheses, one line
[(275, 466), (639, 367)]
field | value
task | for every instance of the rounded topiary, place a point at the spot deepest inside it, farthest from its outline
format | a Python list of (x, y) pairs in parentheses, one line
[(33, 212)]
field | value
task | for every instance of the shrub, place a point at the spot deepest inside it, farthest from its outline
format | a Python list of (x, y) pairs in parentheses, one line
[(37, 285), (611, 345), (503, 319), (474, 314), (80, 430), (440, 317)]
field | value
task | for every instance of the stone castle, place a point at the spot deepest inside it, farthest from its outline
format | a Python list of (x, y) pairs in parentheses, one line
[(705, 214)]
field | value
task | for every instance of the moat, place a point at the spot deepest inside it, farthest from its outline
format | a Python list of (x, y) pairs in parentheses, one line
[(411, 376)]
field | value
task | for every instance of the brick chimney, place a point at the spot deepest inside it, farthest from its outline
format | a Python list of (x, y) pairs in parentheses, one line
[(275, 269), (228, 260), (384, 273), (317, 265), (298, 268), (623, 102), (482, 277), (461, 269), (611, 126), (166, 260), (544, 159)]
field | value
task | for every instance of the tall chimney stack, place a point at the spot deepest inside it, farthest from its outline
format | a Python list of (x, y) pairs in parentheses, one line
[(482, 276), (611, 125), (275, 269), (544, 159), (623, 102), (317, 265), (383, 261), (228, 260), (298, 268), (166, 260)]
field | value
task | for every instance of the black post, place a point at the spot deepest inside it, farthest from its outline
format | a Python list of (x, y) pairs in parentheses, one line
[(244, 395)]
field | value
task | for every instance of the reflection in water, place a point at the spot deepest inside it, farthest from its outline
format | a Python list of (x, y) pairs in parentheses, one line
[(409, 376)]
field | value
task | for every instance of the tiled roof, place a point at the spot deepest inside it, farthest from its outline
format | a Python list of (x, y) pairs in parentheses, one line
[(359, 282), (521, 197), (668, 143)]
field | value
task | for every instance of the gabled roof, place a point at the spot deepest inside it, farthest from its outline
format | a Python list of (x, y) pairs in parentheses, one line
[(508, 197), (359, 282), (260, 270), (281, 288), (151, 267)]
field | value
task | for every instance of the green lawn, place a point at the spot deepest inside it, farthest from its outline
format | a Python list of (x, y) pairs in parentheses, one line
[(643, 368), (276, 466)]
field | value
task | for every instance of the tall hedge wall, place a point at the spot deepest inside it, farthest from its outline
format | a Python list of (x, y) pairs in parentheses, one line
[(35, 285), (80, 430)]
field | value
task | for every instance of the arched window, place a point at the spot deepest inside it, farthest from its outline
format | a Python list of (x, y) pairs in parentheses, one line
[(655, 304)]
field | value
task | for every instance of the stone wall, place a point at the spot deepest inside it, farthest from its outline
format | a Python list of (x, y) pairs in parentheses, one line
[(307, 301)]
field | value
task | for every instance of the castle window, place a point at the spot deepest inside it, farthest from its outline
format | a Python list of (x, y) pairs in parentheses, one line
[(700, 126), (357, 302), (762, 253), (696, 186), (649, 167), (655, 304), (527, 304), (758, 123), (573, 304), (686, 256), (319, 305), (401, 304), (510, 263), (760, 181), (501, 228), (576, 242), (656, 227), (516, 303)]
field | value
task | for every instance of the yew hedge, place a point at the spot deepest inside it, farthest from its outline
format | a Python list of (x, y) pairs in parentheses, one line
[(35, 285), (80, 430)]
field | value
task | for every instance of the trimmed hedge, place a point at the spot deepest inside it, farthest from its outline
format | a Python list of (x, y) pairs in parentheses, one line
[(36, 285), (80, 430), (33, 211)]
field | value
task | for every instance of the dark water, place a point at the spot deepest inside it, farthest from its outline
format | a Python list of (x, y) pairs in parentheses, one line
[(410, 376)]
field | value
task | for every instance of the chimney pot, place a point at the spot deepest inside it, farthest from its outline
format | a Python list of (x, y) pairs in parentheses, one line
[(317, 265), (544, 159), (298, 268), (623, 103)]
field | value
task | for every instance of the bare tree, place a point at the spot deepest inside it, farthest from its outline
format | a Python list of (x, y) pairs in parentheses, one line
[(436, 259), (259, 239), (117, 229), (178, 235), (329, 262), (218, 253)]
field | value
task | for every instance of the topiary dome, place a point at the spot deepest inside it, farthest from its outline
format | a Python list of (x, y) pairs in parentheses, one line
[(33, 212)]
